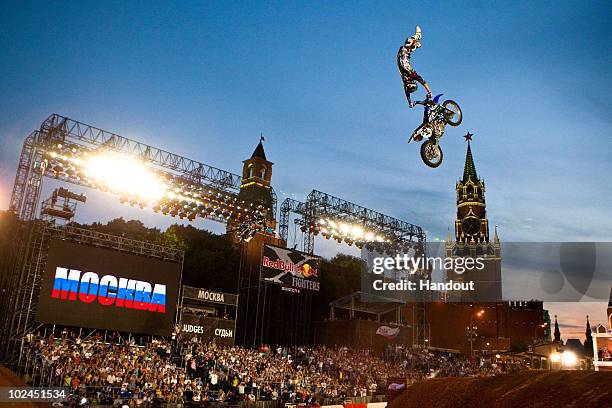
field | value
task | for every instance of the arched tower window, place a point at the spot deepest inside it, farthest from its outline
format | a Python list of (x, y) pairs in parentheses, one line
[(250, 171), (263, 171)]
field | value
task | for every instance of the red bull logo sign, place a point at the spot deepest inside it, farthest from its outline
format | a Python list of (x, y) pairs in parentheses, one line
[(278, 264), (307, 271), (290, 268)]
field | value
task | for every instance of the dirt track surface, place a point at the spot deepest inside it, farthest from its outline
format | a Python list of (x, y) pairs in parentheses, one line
[(9, 379), (531, 389)]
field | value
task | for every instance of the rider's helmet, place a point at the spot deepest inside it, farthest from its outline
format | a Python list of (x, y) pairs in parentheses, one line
[(414, 42)]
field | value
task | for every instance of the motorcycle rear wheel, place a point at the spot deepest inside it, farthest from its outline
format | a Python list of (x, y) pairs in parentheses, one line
[(454, 118), (431, 154)]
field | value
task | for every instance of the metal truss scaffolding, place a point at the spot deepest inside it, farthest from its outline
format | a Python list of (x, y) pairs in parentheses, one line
[(64, 132), (322, 205)]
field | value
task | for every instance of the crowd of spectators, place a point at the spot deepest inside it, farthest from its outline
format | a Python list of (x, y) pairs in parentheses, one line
[(420, 364), (107, 370)]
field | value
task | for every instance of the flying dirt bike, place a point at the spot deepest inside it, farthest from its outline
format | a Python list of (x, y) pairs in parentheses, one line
[(435, 119)]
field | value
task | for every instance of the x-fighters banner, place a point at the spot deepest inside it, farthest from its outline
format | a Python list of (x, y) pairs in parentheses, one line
[(207, 329), (86, 286), (292, 269)]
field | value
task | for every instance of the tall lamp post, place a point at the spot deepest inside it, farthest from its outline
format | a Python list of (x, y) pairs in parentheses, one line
[(535, 331), (471, 330)]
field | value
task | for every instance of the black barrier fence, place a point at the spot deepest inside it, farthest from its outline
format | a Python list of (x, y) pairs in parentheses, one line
[(242, 404)]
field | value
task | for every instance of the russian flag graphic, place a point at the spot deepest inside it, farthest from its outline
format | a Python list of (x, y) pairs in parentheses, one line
[(69, 284), (66, 284)]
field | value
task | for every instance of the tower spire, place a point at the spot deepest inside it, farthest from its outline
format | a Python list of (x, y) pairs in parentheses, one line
[(469, 170), (471, 210), (588, 329), (255, 184), (557, 331), (588, 342), (259, 150)]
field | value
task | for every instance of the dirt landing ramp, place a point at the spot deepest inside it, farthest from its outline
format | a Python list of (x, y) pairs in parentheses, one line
[(531, 389), (9, 379)]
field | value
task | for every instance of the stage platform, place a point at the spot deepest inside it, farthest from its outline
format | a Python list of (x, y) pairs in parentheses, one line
[(362, 334)]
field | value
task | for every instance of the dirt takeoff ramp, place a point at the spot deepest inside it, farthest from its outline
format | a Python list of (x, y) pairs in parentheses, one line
[(531, 389), (9, 379)]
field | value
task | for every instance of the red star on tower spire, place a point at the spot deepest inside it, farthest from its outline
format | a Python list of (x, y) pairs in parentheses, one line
[(468, 136)]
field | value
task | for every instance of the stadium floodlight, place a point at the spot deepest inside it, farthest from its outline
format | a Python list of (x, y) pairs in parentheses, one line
[(555, 357), (124, 175), (352, 233), (569, 359), (357, 231), (138, 184)]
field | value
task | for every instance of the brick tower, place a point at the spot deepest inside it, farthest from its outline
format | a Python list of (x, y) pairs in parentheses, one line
[(472, 238)]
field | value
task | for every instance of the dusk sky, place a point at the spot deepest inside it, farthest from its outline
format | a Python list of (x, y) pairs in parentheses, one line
[(203, 79)]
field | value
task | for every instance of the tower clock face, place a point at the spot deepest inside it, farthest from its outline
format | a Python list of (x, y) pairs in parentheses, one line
[(470, 225)]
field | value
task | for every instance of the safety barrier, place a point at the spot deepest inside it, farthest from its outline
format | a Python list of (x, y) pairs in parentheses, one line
[(359, 405)]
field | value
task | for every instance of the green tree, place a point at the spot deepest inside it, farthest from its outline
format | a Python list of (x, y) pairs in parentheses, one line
[(171, 238), (339, 277), (211, 261), (133, 229)]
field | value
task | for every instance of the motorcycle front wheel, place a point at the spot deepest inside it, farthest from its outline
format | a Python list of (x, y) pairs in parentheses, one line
[(431, 153), (452, 113)]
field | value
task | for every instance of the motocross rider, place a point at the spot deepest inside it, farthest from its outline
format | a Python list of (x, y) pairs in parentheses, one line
[(408, 74)]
